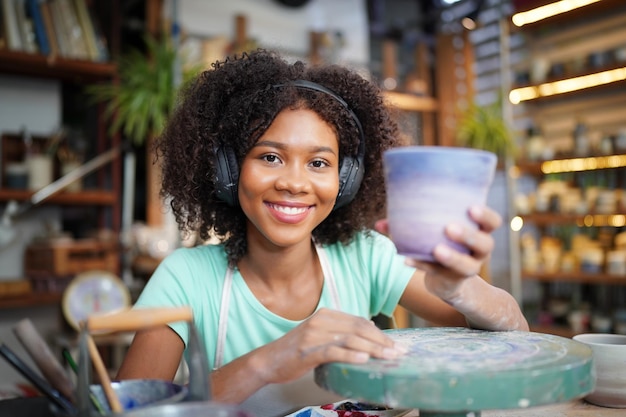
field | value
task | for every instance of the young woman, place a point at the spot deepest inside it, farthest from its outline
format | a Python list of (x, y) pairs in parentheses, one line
[(283, 163)]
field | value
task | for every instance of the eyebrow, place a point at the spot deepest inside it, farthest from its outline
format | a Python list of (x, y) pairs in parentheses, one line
[(278, 145)]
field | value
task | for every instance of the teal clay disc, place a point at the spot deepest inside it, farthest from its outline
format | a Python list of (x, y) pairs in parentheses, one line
[(461, 370)]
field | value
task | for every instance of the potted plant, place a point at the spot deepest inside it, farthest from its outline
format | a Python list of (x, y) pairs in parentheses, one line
[(145, 93), (482, 127), (139, 102)]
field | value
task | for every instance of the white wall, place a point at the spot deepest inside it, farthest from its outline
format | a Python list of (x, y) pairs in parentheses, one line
[(31, 102)]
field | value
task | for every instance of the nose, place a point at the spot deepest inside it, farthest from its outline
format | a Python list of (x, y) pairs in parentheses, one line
[(294, 179)]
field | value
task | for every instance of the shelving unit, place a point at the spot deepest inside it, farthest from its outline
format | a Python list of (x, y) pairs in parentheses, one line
[(554, 65), (101, 197), (585, 281)]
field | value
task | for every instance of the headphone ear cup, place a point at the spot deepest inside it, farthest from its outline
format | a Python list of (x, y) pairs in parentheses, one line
[(350, 178), (227, 176)]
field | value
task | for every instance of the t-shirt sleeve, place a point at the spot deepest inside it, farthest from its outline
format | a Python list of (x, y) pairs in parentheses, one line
[(390, 275), (166, 288)]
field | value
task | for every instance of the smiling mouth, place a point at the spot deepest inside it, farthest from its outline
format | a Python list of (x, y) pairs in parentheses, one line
[(292, 211)]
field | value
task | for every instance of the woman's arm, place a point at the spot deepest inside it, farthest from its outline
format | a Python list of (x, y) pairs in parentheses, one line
[(155, 353), (476, 303), (327, 336)]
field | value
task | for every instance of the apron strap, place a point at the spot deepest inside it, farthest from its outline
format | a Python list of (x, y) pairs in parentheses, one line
[(223, 319), (329, 278)]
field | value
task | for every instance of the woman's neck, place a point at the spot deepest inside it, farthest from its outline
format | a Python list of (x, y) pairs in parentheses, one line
[(287, 281)]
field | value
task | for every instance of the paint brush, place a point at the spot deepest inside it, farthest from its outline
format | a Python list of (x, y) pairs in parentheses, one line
[(43, 357), (41, 384), (94, 400)]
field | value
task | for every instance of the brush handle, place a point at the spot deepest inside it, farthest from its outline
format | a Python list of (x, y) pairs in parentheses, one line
[(137, 319), (105, 381), (39, 383), (43, 357)]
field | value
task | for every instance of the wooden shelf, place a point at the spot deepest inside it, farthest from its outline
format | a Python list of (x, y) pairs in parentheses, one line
[(575, 277), (600, 84), (575, 75), (597, 162), (87, 197), (547, 219), (36, 65), (30, 300)]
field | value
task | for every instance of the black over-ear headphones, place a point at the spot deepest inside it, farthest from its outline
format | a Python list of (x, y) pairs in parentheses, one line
[(350, 173)]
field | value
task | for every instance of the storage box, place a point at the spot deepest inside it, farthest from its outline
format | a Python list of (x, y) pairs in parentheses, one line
[(15, 288), (52, 265)]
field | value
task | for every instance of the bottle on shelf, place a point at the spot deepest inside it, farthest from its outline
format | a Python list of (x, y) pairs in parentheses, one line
[(536, 147), (581, 139)]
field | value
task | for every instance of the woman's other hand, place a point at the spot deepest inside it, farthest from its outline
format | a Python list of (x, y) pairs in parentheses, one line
[(327, 336)]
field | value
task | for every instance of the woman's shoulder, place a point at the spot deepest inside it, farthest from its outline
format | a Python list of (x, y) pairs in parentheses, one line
[(200, 256), (364, 241)]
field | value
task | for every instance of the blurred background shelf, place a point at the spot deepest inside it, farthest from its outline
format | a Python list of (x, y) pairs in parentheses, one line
[(36, 65), (87, 197)]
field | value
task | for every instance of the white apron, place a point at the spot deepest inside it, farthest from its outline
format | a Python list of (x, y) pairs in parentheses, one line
[(279, 399)]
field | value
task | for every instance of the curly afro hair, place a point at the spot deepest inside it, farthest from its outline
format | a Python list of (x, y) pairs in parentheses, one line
[(232, 105)]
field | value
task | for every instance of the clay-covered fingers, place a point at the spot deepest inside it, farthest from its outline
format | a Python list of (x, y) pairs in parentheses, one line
[(326, 336), (336, 336), (487, 219), (363, 345), (479, 243), (450, 265)]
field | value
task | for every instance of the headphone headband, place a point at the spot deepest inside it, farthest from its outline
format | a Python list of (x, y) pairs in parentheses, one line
[(310, 85)]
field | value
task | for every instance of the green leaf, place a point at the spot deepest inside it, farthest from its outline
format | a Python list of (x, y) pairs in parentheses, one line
[(482, 127), (141, 100)]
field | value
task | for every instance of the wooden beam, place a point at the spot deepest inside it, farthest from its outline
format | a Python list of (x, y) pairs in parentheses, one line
[(446, 89), (315, 44), (390, 67), (423, 71), (154, 17)]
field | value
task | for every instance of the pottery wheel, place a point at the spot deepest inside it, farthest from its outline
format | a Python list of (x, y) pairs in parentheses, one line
[(458, 371)]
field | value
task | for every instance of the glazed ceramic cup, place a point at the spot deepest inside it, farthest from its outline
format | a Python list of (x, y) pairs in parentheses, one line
[(429, 187), (609, 364)]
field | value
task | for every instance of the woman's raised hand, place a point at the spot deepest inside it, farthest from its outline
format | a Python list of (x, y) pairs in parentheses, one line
[(445, 277)]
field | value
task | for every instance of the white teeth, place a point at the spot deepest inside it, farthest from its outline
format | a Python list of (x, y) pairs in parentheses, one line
[(289, 210)]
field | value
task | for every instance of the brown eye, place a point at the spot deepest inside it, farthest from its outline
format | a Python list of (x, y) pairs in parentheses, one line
[(272, 159), (319, 163)]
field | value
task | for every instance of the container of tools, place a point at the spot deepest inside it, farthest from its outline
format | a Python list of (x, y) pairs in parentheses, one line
[(138, 398)]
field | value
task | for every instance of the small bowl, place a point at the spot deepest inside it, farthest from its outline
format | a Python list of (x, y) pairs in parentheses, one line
[(609, 364), (140, 393)]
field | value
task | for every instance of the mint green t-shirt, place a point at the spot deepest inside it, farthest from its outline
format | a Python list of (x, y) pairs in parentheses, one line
[(369, 275)]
